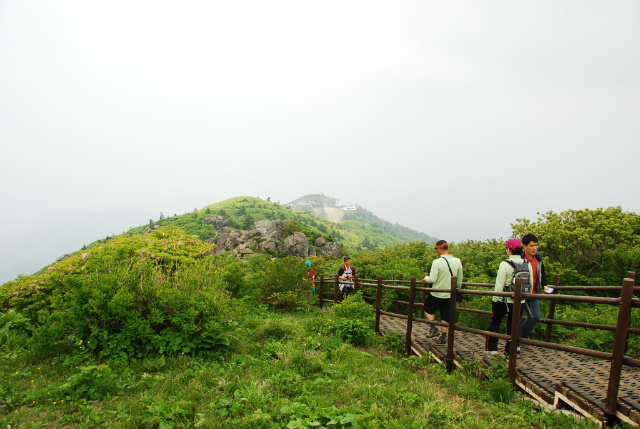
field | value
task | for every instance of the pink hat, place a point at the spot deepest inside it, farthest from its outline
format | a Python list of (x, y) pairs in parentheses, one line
[(512, 243)]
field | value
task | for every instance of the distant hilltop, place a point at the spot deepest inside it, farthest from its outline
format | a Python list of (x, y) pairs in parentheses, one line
[(320, 205), (331, 208)]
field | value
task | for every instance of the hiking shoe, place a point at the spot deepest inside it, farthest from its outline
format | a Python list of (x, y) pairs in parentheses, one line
[(433, 332), (442, 339), (492, 352)]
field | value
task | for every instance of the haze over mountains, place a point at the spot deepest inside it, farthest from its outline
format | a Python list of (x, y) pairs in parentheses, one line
[(27, 251)]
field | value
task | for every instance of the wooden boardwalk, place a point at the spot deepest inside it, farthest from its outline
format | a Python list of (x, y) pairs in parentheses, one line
[(555, 379)]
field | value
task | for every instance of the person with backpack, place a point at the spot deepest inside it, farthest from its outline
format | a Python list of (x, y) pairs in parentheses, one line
[(538, 282), (442, 269), (510, 269), (346, 273)]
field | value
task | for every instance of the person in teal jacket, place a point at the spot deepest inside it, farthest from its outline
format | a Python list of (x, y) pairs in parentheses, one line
[(442, 269)]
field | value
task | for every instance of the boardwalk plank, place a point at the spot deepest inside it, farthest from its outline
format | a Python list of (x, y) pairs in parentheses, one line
[(554, 378)]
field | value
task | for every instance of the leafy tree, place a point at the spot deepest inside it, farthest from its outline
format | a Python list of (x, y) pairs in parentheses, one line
[(587, 244), (247, 222)]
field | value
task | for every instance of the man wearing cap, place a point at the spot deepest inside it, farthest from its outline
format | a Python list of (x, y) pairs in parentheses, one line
[(503, 306), (538, 281), (346, 273), (442, 269)]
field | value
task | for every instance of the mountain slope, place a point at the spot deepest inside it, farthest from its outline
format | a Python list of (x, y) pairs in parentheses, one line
[(333, 209)]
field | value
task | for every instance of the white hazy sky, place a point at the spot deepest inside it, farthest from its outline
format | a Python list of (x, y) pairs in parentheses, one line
[(453, 118)]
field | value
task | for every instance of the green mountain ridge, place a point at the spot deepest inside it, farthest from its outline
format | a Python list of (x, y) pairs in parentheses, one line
[(359, 230)]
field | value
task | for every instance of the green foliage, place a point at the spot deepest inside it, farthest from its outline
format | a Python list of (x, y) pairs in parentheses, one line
[(281, 284), (300, 379), (401, 233), (92, 382), (134, 297), (587, 244), (354, 321), (13, 326), (394, 343), (354, 307), (169, 413)]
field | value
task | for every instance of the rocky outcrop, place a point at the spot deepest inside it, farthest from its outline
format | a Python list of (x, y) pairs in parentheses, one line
[(149, 229), (269, 228), (331, 249), (297, 244), (267, 237), (218, 222)]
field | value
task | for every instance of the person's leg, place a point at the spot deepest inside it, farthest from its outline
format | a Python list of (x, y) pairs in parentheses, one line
[(498, 310), (527, 325), (509, 324), (444, 313), (430, 307)]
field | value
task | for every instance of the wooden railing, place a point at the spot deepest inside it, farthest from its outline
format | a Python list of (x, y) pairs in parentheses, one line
[(625, 302)]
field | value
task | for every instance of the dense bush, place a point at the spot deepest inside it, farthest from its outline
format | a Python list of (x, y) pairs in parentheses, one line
[(280, 283), (353, 321), (131, 297)]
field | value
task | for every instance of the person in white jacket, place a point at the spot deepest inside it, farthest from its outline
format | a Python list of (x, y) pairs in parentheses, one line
[(501, 306)]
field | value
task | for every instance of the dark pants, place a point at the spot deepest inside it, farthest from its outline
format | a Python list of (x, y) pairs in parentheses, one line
[(498, 311), (432, 304)]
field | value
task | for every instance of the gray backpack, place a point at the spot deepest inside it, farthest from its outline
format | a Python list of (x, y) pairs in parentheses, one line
[(519, 271)]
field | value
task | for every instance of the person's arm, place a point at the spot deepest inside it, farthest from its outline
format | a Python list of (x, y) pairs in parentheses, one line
[(340, 273), (459, 275), (543, 276), (501, 277), (433, 275)]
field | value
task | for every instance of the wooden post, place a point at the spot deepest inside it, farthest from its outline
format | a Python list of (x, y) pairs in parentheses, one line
[(452, 321), (552, 310), (336, 290), (515, 330), (378, 303), (355, 284), (632, 275), (619, 343), (321, 294), (398, 295), (412, 295)]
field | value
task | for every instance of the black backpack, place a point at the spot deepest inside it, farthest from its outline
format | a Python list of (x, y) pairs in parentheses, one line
[(519, 271)]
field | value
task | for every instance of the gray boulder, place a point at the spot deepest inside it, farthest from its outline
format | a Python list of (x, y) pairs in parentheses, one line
[(297, 244), (271, 228), (218, 222), (331, 249)]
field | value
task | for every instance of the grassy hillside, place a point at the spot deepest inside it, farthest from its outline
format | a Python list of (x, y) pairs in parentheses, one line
[(150, 331)]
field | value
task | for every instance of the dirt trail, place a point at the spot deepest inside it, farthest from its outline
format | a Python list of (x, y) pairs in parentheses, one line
[(334, 214)]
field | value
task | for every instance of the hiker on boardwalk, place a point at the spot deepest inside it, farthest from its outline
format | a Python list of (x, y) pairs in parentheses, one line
[(503, 306), (442, 269), (538, 281), (346, 273)]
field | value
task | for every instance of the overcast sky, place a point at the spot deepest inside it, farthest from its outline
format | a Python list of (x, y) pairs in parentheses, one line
[(453, 118)]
